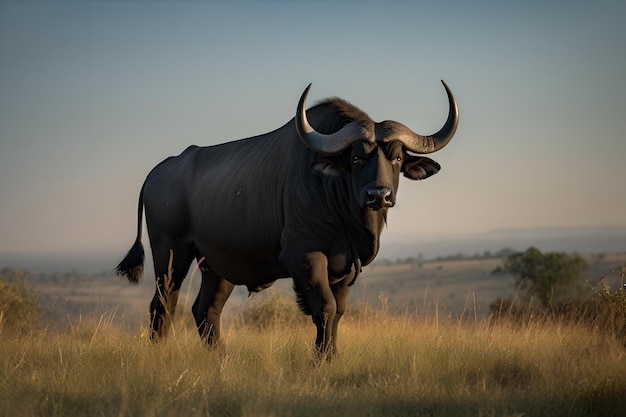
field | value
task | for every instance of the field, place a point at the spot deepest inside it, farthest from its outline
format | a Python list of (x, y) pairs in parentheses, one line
[(442, 286), (425, 346)]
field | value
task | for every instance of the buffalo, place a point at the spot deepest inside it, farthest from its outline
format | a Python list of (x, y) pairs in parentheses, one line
[(307, 201)]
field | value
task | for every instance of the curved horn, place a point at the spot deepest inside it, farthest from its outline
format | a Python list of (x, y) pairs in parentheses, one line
[(332, 143), (427, 144)]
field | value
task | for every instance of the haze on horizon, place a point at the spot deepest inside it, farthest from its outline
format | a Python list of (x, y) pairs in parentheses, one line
[(94, 94)]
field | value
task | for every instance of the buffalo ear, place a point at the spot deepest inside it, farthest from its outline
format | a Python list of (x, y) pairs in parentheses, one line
[(419, 167), (330, 168)]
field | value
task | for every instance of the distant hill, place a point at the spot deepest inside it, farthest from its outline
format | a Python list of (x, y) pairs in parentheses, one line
[(577, 239), (572, 239)]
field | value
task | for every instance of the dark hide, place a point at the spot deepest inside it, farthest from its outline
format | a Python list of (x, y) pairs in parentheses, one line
[(259, 209)]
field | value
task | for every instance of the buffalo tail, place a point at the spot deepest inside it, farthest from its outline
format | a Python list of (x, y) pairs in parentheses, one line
[(131, 266)]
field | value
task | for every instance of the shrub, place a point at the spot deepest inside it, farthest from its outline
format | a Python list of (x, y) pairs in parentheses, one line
[(549, 277), (271, 310), (19, 310), (604, 310)]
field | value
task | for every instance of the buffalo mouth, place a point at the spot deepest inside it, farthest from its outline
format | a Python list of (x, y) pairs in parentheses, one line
[(378, 198)]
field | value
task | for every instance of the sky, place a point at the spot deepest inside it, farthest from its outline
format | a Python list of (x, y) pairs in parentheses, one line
[(94, 94)]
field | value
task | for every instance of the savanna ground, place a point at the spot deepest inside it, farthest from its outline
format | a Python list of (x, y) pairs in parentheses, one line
[(424, 346)]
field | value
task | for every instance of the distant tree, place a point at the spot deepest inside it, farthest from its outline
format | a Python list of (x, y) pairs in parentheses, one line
[(419, 260), (546, 276), (504, 253)]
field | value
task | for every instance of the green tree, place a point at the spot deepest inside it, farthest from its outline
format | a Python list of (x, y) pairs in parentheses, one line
[(549, 277)]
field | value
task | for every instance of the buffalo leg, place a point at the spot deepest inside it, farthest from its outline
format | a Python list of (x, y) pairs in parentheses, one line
[(170, 270), (316, 297), (207, 309), (340, 290)]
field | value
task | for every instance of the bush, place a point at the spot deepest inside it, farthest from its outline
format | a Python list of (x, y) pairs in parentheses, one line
[(271, 310), (19, 310), (550, 277), (604, 310)]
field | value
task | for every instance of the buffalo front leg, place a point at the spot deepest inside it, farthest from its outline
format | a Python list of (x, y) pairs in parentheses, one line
[(340, 290), (207, 309), (316, 297)]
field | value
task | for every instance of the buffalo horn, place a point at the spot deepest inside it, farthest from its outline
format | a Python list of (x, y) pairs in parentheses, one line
[(427, 144), (363, 130), (332, 143)]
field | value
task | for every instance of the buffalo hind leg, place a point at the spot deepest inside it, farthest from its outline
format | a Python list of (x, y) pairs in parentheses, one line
[(170, 270), (207, 309)]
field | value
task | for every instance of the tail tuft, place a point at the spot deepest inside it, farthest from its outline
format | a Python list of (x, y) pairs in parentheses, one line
[(131, 266)]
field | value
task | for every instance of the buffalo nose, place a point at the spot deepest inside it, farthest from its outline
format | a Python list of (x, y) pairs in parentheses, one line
[(379, 198)]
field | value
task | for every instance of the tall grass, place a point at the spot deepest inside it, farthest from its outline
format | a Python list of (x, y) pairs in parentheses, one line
[(387, 366), (18, 303)]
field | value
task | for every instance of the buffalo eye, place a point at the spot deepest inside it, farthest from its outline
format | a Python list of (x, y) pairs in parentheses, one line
[(356, 159)]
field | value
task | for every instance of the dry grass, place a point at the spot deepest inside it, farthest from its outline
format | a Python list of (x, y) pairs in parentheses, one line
[(388, 366), (426, 362)]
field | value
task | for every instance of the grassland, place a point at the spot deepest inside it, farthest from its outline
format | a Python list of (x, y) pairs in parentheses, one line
[(424, 360), (442, 287), (388, 366)]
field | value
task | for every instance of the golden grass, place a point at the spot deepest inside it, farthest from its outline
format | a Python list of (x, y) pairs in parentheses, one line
[(388, 366)]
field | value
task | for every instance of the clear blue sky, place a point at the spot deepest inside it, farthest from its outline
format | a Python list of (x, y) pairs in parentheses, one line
[(94, 94)]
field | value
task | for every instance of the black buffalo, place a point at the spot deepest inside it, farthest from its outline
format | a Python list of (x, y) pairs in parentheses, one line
[(303, 202)]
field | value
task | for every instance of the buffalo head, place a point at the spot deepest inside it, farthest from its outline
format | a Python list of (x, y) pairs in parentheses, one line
[(374, 154)]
